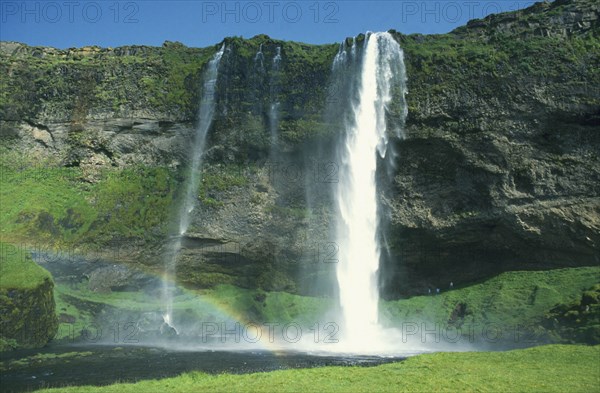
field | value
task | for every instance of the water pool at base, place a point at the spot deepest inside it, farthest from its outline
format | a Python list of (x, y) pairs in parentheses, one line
[(109, 364)]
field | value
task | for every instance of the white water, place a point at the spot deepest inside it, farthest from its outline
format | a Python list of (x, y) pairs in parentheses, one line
[(274, 107), (259, 58), (381, 68), (206, 112)]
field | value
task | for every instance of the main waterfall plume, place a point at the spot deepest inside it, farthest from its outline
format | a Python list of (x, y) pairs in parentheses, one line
[(205, 116), (371, 76)]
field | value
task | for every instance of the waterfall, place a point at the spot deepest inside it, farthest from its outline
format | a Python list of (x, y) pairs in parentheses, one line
[(259, 82), (274, 105), (259, 58), (371, 75), (205, 116)]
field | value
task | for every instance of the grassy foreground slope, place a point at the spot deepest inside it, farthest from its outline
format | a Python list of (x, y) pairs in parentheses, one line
[(553, 368), (535, 301), (508, 300)]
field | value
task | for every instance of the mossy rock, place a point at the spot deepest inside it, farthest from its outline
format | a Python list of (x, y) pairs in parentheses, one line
[(27, 308), (579, 321)]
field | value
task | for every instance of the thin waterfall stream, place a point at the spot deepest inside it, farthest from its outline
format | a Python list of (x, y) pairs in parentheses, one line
[(205, 116)]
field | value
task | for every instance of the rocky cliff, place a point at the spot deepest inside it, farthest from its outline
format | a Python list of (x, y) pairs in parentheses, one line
[(497, 168)]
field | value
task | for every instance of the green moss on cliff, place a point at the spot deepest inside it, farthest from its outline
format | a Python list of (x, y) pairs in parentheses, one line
[(163, 80), (449, 64), (74, 84), (217, 180), (56, 205), (27, 308)]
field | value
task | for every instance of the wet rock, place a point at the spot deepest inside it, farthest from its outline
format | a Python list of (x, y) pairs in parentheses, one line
[(109, 278)]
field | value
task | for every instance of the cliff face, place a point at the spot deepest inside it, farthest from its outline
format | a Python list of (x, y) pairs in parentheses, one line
[(498, 168)]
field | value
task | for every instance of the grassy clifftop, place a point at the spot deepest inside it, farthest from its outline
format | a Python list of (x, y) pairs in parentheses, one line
[(75, 84), (18, 271)]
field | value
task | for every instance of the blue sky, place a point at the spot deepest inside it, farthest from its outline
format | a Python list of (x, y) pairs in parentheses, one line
[(69, 23)]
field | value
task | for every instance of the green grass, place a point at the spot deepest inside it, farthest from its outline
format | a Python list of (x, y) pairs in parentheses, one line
[(54, 205), (224, 302), (133, 301), (65, 307), (262, 306), (510, 299), (554, 368), (221, 302), (18, 270), (578, 321)]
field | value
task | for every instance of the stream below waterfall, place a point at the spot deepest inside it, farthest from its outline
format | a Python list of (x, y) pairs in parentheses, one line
[(102, 365)]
